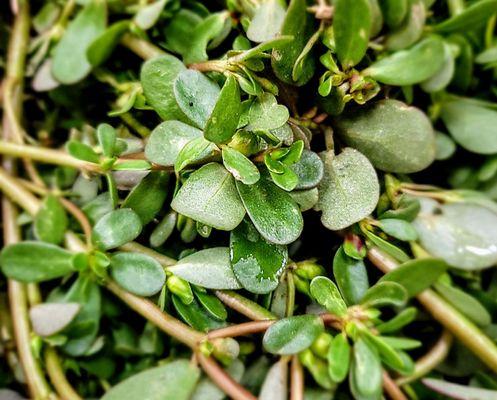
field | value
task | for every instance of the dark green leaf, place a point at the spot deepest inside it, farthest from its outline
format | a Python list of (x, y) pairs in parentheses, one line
[(35, 261), (209, 196), (394, 11), (146, 198), (351, 277), (299, 24), (137, 273), (266, 114), (416, 275), (209, 268), (212, 305), (51, 222), (352, 24), (196, 316), (394, 136), (223, 120), (403, 318), (117, 228), (292, 335), (411, 29), (164, 229), (387, 247), (174, 380), (257, 264), (195, 151), (273, 212), (104, 44)]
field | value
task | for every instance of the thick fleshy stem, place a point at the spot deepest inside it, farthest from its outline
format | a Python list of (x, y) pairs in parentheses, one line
[(243, 305), (456, 323), (58, 377), (296, 379), (391, 388)]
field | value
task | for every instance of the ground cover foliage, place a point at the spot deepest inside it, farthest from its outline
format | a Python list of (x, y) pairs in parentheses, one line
[(248, 199)]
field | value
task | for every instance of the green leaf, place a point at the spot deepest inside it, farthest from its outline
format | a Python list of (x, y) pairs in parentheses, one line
[(287, 180), (446, 147), (157, 77), (195, 151), (273, 212), (256, 263), (82, 151), (411, 29), (196, 95), (50, 318), (366, 372), (462, 234), (266, 22), (147, 16), (137, 273), (101, 48), (416, 275), (293, 334), (209, 196), (327, 295), (385, 294), (131, 165), (266, 114), (395, 137), (84, 328), (167, 140), (394, 11), (465, 303), (212, 305), (471, 125), (147, 198), (239, 166), (164, 229), (401, 343), (441, 79), (387, 247), (352, 24), (306, 199), (106, 135), (69, 62), (407, 209), (196, 316), (351, 277), (349, 190), (209, 268), (223, 120), (51, 222), (299, 24), (398, 228), (117, 228), (309, 170), (339, 358), (470, 18), (33, 262), (402, 319), (411, 66), (387, 353), (174, 380)]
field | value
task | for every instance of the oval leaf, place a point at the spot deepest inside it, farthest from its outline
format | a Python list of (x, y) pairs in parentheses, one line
[(292, 335), (349, 190), (50, 318), (117, 228), (327, 295), (51, 222), (210, 268), (209, 196), (241, 167)]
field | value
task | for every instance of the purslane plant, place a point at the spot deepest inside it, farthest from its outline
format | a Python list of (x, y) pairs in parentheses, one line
[(249, 199)]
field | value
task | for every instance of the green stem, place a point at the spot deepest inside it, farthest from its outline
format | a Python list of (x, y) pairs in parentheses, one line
[(142, 48), (58, 377), (455, 7), (45, 155), (133, 123), (463, 329), (244, 306)]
